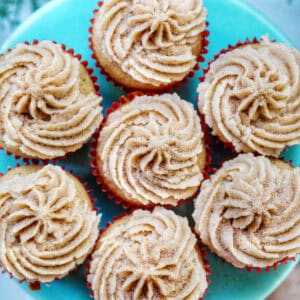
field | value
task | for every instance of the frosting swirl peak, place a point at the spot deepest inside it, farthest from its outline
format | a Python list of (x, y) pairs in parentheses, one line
[(251, 97), (48, 103), (249, 211), (151, 151), (148, 256), (155, 42), (45, 228)]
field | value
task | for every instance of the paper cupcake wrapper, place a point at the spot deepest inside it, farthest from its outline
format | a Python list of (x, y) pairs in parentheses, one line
[(97, 88), (99, 178), (274, 267), (200, 59), (37, 285), (202, 249)]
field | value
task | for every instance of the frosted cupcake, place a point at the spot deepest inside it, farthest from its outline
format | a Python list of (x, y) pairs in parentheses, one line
[(149, 45), (148, 256), (151, 151), (250, 97), (47, 223), (249, 211), (48, 102)]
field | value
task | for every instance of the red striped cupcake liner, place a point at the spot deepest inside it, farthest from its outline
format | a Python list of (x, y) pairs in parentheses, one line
[(202, 249), (200, 59), (37, 285), (97, 88), (99, 178)]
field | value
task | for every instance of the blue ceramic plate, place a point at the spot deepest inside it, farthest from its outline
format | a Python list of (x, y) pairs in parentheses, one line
[(67, 21)]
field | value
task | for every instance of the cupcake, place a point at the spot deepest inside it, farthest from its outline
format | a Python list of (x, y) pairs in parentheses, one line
[(250, 97), (248, 213), (47, 223), (48, 103), (148, 255), (149, 45), (151, 151)]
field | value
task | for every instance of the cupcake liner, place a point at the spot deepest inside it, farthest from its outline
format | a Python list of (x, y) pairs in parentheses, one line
[(200, 59), (99, 178), (274, 267), (201, 247), (97, 88), (37, 285)]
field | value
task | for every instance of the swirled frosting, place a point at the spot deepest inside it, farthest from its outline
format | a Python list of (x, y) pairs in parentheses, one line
[(48, 105), (251, 97), (148, 256), (151, 150), (47, 227), (249, 211), (155, 42)]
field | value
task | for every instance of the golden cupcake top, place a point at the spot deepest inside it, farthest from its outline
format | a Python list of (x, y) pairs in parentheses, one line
[(148, 256), (150, 150), (47, 223), (251, 97), (249, 211), (48, 105), (152, 41)]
